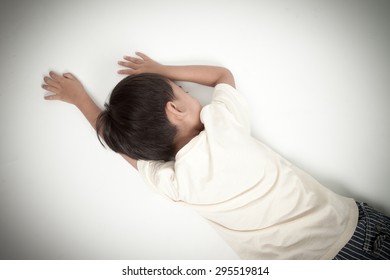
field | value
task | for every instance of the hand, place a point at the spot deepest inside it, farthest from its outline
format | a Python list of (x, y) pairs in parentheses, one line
[(66, 88), (136, 65)]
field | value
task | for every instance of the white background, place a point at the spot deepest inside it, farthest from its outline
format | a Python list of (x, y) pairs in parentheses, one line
[(316, 74)]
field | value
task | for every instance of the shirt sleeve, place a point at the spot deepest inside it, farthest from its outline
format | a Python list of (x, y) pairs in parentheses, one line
[(160, 176), (234, 102)]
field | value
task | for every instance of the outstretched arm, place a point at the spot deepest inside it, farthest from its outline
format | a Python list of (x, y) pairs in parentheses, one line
[(201, 74), (68, 88)]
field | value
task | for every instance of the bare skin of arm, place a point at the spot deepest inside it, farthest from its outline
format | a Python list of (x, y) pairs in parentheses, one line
[(200, 74)]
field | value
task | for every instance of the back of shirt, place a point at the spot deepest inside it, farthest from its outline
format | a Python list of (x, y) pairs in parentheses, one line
[(261, 204)]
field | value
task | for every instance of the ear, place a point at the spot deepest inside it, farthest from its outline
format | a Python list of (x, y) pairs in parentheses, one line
[(173, 112)]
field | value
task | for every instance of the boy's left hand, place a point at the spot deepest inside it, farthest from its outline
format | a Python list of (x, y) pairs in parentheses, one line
[(64, 87)]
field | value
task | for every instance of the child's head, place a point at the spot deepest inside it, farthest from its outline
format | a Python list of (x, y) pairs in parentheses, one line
[(135, 122)]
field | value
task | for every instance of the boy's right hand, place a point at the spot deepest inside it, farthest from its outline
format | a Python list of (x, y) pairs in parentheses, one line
[(64, 87), (201, 74), (135, 65)]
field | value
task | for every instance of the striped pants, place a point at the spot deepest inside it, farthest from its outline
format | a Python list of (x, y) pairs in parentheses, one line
[(371, 239)]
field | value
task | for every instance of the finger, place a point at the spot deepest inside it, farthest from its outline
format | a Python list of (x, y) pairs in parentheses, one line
[(50, 88), (54, 76), (51, 97), (142, 55), (128, 64), (51, 82), (123, 63), (69, 76), (134, 60), (126, 71)]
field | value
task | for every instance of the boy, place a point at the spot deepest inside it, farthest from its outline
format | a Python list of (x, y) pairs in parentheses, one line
[(261, 204)]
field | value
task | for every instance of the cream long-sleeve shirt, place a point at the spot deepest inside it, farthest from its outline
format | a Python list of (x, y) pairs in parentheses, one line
[(261, 204)]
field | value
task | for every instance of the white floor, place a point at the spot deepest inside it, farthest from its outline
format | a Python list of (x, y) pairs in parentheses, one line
[(316, 74)]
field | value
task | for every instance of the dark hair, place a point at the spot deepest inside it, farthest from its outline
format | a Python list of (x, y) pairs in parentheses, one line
[(134, 121)]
